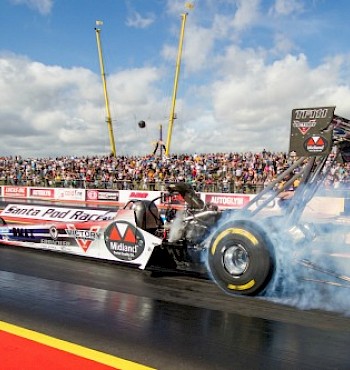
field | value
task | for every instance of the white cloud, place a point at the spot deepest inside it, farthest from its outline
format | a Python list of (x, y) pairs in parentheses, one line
[(137, 21), (230, 98), (50, 110), (252, 106), (42, 6), (176, 6), (198, 46), (247, 13), (283, 44), (286, 7)]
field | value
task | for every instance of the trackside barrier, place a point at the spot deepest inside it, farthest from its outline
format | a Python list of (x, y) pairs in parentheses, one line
[(116, 197), (328, 205)]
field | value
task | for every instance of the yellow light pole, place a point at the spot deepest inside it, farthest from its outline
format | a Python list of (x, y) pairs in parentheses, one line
[(177, 72), (104, 83)]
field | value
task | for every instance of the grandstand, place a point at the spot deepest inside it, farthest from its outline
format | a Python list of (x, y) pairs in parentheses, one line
[(211, 172)]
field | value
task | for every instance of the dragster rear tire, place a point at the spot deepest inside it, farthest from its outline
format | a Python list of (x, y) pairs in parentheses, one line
[(241, 258)]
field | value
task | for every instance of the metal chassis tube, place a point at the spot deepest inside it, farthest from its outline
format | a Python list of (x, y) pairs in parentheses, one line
[(311, 177), (270, 189)]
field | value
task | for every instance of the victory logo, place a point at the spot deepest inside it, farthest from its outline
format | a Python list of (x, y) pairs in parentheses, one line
[(84, 238)]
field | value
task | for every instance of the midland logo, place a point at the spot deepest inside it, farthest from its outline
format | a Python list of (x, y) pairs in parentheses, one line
[(124, 241), (83, 237), (315, 144)]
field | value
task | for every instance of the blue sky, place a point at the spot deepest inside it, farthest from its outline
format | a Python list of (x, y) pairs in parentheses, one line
[(246, 64)]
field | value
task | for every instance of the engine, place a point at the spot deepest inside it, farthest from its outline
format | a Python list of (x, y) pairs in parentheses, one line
[(191, 227)]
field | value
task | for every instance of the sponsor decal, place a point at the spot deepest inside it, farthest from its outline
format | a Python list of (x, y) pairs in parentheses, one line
[(108, 195), (55, 243), (15, 191), (124, 241), (57, 240), (83, 237), (315, 144), (25, 211), (229, 200), (138, 194), (56, 213), (70, 194), (311, 113), (41, 193), (48, 238), (102, 195), (92, 195), (53, 232), (304, 127), (82, 215), (23, 233)]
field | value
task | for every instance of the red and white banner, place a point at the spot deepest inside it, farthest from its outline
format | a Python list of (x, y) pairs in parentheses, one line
[(42, 193), (14, 191), (126, 195), (223, 200)]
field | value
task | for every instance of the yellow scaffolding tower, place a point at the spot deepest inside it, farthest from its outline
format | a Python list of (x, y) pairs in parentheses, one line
[(177, 72), (104, 83)]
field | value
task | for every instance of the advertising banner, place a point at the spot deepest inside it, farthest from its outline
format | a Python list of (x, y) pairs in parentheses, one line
[(223, 200), (41, 193), (70, 194), (44, 213), (14, 191), (126, 195), (102, 195)]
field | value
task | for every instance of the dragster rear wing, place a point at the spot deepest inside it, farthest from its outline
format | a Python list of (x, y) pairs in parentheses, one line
[(315, 134), (314, 131)]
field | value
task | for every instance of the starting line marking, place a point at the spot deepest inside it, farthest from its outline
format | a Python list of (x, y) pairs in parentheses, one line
[(72, 348)]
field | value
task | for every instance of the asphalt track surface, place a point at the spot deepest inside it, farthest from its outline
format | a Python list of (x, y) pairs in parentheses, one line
[(169, 322)]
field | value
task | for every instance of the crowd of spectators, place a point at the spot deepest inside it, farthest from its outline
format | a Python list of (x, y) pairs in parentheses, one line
[(220, 172)]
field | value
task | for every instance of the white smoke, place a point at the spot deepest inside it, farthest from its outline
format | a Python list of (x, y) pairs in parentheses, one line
[(312, 262), (177, 227), (312, 274)]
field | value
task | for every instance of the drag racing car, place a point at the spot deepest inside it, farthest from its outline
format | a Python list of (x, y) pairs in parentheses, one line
[(243, 250)]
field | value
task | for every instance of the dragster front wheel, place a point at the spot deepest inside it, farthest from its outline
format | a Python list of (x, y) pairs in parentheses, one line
[(241, 258)]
